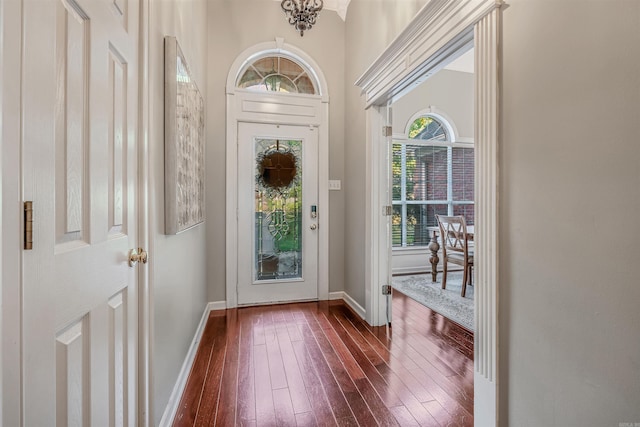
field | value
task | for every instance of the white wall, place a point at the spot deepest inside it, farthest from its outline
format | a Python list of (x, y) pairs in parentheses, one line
[(450, 92), (371, 26), (235, 26), (569, 197), (178, 275)]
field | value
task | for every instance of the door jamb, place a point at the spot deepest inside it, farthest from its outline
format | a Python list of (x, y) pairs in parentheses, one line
[(145, 306), (10, 215)]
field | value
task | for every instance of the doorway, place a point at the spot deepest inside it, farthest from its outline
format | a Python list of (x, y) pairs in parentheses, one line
[(277, 104), (429, 41), (433, 174), (277, 213)]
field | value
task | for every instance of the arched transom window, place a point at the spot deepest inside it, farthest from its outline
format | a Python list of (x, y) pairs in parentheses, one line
[(428, 128), (276, 73), (432, 174)]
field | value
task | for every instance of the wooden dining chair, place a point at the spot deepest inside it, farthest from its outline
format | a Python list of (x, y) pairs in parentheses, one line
[(455, 248)]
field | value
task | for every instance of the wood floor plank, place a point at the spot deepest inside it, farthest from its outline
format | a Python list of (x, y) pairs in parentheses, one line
[(211, 388), (320, 364), (313, 385), (306, 419), (295, 383), (387, 394), (190, 401), (357, 405), (283, 407), (404, 417), (391, 381), (339, 388), (265, 409), (246, 406), (227, 405)]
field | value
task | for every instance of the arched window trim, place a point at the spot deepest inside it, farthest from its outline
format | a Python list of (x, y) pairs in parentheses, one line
[(440, 116), (306, 70), (278, 46)]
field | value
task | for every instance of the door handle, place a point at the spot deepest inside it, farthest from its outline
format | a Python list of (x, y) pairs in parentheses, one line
[(313, 226), (137, 255)]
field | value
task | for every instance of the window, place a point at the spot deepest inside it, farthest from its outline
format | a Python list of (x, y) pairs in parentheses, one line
[(276, 74), (431, 175)]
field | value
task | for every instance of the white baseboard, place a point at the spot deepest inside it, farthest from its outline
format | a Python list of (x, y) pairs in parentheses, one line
[(178, 389), (410, 270), (350, 302), (217, 305)]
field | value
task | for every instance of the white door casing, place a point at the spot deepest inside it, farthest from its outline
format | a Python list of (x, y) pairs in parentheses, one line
[(80, 130), (244, 106), (251, 289)]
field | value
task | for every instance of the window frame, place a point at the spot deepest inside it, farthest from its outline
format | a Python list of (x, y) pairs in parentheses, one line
[(306, 71), (451, 142)]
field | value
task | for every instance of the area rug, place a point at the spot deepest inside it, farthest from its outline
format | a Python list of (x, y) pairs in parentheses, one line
[(447, 302)]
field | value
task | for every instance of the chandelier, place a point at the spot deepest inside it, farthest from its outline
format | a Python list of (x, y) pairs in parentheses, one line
[(302, 14)]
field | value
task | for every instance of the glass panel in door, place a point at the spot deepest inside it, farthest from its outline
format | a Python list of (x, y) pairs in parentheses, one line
[(278, 210)]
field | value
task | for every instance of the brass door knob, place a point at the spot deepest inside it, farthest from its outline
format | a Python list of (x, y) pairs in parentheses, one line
[(136, 255)]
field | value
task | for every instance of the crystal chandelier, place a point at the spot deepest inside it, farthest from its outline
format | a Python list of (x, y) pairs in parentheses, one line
[(302, 14)]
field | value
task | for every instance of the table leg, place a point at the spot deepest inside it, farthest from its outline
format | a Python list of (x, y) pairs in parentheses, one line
[(434, 246)]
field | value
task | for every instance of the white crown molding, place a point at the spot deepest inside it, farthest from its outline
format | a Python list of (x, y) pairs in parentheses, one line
[(439, 30)]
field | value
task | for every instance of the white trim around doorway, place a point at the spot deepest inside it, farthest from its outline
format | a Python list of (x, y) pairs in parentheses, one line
[(443, 30)]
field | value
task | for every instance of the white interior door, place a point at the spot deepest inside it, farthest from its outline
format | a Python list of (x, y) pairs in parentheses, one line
[(277, 213), (79, 125)]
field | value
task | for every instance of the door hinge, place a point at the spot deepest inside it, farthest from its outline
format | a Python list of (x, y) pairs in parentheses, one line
[(387, 210), (387, 131), (386, 289), (28, 225)]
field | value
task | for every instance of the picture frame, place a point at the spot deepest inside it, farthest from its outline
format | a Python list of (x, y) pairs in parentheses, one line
[(184, 143)]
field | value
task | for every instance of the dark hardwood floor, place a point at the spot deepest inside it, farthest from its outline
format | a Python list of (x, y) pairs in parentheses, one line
[(318, 363)]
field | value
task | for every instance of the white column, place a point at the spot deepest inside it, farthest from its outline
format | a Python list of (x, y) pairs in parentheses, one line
[(487, 51)]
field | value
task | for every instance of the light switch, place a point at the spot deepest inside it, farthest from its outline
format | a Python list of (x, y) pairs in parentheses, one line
[(335, 184)]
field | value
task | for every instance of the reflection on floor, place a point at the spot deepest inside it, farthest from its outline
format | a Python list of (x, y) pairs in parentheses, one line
[(318, 363)]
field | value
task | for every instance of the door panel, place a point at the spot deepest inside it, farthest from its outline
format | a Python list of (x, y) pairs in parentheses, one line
[(277, 200), (80, 169)]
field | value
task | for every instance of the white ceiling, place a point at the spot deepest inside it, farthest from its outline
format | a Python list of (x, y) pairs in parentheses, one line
[(340, 6)]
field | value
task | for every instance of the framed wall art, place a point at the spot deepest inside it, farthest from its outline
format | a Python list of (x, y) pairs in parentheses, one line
[(183, 143)]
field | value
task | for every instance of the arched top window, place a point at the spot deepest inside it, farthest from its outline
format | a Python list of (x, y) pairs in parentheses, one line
[(276, 73), (433, 174), (428, 128)]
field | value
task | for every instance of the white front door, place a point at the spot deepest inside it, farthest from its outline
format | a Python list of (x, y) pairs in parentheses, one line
[(277, 213), (79, 112)]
